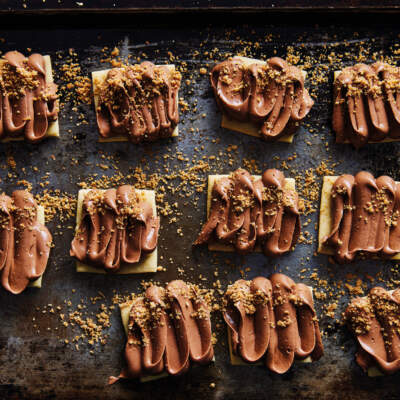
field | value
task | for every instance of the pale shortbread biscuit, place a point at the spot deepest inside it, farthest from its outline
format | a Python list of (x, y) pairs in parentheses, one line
[(249, 128), (98, 77), (125, 309), (237, 360), (215, 246), (325, 217), (148, 262), (53, 129)]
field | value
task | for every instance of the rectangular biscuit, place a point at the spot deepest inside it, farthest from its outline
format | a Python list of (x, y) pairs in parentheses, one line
[(289, 184), (53, 129), (97, 78), (125, 309), (325, 217), (147, 263), (248, 128), (237, 360)]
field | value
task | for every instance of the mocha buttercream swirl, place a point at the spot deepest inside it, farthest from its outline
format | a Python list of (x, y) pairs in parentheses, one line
[(27, 102), (169, 329), (245, 212), (24, 242), (271, 95), (139, 102), (365, 213), (375, 321), (117, 228), (272, 320), (366, 103)]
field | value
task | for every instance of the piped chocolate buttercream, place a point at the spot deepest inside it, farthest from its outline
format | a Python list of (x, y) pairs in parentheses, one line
[(169, 329), (117, 227), (27, 102), (24, 242), (271, 95), (139, 102), (272, 321), (246, 211), (375, 321), (366, 104), (365, 213)]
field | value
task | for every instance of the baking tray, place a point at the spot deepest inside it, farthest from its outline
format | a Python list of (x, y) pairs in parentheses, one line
[(40, 365)]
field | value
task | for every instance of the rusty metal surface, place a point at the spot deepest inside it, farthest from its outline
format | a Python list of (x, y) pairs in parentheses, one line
[(40, 366)]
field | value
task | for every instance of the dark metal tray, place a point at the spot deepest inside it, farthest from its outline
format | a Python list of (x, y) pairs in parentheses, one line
[(171, 6), (39, 365)]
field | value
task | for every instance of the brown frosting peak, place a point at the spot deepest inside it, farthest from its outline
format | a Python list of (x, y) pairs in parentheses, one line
[(272, 319), (139, 101), (271, 95), (24, 242), (27, 102), (117, 227), (169, 329), (375, 320), (364, 212), (365, 103), (245, 211)]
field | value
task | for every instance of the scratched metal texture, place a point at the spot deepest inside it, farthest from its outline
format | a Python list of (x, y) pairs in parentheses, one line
[(40, 366)]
